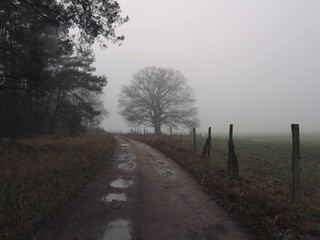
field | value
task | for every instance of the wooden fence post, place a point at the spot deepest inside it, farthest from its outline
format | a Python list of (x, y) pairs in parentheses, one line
[(229, 170), (295, 162), (171, 131), (194, 139), (207, 146), (209, 142), (233, 166)]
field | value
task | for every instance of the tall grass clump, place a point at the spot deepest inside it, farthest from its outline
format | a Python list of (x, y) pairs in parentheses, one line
[(39, 174)]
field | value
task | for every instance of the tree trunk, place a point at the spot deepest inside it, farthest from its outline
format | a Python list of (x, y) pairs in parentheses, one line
[(53, 124), (157, 130)]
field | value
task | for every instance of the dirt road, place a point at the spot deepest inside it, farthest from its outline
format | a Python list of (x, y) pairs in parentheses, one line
[(141, 195)]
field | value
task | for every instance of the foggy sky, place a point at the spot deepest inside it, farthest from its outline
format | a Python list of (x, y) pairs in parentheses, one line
[(251, 63)]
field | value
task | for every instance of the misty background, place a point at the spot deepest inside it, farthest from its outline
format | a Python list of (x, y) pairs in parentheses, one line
[(251, 63)]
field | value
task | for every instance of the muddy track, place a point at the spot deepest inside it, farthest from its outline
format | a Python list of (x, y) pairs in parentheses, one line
[(141, 194)]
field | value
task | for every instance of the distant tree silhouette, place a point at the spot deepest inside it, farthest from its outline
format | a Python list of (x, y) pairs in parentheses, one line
[(158, 97)]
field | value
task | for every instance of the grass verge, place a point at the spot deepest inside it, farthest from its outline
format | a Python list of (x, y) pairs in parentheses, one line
[(261, 198), (40, 174)]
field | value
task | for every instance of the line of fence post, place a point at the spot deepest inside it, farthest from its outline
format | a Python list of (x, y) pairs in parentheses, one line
[(233, 165), (295, 162)]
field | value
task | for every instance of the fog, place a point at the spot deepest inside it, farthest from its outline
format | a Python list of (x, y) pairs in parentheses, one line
[(251, 63)]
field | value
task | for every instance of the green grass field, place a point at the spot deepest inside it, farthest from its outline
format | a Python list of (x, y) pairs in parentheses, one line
[(40, 174), (262, 196), (269, 158)]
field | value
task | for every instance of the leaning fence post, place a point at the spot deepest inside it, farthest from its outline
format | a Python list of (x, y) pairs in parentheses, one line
[(233, 167), (194, 139), (295, 162), (207, 146)]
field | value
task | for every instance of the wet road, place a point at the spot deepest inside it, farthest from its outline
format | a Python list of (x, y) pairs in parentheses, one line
[(141, 194)]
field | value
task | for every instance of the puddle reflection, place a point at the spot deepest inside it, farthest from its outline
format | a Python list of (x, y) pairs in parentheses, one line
[(167, 173), (161, 163), (121, 182), (141, 146), (125, 146), (126, 157), (121, 197), (117, 230), (127, 166)]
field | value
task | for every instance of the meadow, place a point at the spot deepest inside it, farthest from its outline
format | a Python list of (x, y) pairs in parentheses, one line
[(262, 198), (39, 174), (268, 157)]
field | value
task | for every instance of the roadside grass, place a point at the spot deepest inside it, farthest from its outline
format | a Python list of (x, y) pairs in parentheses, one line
[(40, 174), (261, 199)]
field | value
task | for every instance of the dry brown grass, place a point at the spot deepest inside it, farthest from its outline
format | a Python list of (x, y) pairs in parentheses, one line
[(37, 175)]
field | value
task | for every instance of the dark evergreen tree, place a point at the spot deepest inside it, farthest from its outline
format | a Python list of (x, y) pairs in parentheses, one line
[(45, 70)]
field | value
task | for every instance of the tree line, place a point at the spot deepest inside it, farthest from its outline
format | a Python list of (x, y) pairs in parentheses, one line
[(47, 82)]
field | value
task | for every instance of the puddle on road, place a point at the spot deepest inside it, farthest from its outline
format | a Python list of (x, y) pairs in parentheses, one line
[(167, 173), (161, 163), (125, 146), (121, 182), (127, 166), (117, 230), (126, 157), (121, 197), (141, 146)]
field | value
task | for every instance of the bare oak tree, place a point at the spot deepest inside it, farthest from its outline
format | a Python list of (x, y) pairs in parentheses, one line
[(158, 97)]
